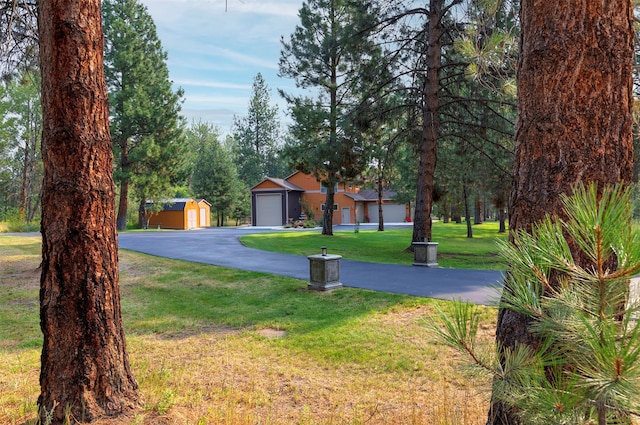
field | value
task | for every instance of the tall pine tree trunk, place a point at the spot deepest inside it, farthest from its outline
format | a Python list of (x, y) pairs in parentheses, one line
[(430, 122), (467, 210), (574, 118), (501, 220), (84, 361), (23, 187), (380, 209), (121, 219), (477, 211), (327, 217)]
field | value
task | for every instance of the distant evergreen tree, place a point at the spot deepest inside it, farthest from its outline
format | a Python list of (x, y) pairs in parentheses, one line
[(256, 138), (326, 54), (215, 176), (146, 127), (20, 134)]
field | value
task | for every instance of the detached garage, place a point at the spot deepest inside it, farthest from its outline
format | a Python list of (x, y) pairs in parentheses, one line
[(274, 201), (269, 209)]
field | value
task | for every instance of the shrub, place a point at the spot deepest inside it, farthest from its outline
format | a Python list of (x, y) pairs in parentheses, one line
[(15, 225), (307, 208)]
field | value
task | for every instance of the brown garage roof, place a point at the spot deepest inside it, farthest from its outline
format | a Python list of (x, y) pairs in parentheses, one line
[(282, 183)]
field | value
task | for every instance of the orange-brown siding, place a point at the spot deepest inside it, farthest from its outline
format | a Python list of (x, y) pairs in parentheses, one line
[(267, 184), (315, 198), (343, 201), (207, 214), (175, 219), (167, 220)]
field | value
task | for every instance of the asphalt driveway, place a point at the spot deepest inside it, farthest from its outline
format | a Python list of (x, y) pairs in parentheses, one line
[(221, 247)]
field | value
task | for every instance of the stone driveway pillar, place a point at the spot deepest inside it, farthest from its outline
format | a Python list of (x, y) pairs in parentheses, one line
[(324, 271)]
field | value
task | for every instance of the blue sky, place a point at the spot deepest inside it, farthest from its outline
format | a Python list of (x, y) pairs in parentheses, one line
[(214, 55)]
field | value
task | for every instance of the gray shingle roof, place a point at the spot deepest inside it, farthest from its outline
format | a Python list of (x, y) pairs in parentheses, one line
[(371, 195)]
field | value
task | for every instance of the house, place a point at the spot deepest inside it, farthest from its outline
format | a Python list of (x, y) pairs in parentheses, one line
[(276, 201), (367, 207), (180, 213)]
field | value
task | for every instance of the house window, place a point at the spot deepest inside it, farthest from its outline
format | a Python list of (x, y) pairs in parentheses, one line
[(323, 206), (323, 188)]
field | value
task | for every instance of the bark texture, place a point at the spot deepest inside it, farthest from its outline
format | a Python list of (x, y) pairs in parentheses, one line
[(84, 362), (574, 118), (430, 124), (327, 215)]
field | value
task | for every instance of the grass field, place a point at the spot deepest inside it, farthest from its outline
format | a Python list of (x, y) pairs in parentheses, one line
[(455, 250), (210, 345)]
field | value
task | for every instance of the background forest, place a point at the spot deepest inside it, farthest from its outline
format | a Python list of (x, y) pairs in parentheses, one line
[(370, 109)]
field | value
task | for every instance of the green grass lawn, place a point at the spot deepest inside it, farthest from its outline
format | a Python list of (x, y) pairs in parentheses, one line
[(455, 250), (214, 345)]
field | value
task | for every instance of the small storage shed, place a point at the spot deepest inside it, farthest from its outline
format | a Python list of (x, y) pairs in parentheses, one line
[(274, 202), (180, 213), (204, 216)]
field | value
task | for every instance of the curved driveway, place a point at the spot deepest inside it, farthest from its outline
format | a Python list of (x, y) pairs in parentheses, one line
[(221, 247)]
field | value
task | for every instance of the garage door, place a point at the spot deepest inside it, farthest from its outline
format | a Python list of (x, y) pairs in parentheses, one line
[(393, 213), (269, 210)]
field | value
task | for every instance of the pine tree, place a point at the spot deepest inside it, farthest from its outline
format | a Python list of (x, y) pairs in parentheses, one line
[(584, 368), (21, 131), (563, 134), (85, 372), (215, 176), (257, 137), (143, 103), (326, 54)]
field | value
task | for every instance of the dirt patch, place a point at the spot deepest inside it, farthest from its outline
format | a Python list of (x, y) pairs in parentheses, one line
[(272, 333), (217, 330)]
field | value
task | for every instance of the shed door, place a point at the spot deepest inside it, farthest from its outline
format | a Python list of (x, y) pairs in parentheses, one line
[(192, 219), (203, 217), (269, 210)]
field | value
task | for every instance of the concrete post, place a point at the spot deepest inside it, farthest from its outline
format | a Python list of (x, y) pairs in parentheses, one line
[(324, 271), (425, 254)]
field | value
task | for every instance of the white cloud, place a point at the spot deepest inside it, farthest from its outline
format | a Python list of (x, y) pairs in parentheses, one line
[(216, 100), (244, 58), (214, 55), (281, 8)]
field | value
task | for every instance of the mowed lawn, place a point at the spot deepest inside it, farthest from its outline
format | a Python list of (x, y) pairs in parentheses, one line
[(455, 250), (210, 345)]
